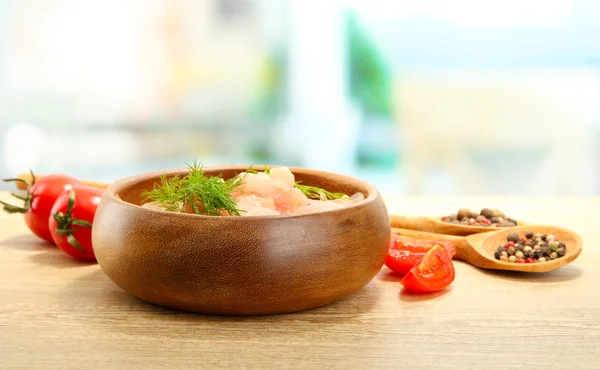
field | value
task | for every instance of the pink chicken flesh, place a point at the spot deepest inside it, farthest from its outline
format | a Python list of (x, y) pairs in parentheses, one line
[(275, 194)]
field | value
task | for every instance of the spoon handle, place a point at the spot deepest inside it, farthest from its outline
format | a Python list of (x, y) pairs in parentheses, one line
[(413, 223), (463, 248), (27, 177)]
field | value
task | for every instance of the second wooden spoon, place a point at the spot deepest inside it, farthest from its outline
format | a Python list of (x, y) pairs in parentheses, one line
[(436, 225)]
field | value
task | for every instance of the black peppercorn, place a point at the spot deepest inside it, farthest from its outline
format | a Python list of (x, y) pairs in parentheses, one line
[(495, 220), (497, 255), (487, 213), (544, 237), (529, 235), (513, 237)]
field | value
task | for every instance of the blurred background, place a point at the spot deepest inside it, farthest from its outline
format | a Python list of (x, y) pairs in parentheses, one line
[(430, 97)]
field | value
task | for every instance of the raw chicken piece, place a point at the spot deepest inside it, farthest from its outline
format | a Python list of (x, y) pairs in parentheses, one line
[(258, 184), (256, 206), (153, 205), (290, 199), (318, 206), (279, 186), (283, 175)]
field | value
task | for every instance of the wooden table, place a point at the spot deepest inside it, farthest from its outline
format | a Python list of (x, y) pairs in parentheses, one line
[(56, 313)]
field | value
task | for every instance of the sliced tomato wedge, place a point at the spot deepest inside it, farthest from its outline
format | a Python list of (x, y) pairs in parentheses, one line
[(435, 272), (405, 252)]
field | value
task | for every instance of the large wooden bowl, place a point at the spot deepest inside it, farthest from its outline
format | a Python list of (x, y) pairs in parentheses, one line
[(240, 265)]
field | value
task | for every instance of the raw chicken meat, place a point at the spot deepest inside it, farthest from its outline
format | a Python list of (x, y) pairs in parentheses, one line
[(272, 194), (275, 193)]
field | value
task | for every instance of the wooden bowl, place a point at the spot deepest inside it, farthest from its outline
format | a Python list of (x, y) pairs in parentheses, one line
[(240, 265)]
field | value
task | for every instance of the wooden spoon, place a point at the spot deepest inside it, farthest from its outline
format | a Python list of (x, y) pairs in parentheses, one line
[(437, 226), (479, 249), (29, 179)]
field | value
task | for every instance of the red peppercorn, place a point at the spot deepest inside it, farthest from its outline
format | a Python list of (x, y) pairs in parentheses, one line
[(511, 244), (529, 260), (520, 260), (523, 238)]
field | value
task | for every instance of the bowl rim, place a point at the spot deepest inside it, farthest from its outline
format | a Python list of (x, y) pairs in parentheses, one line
[(119, 185)]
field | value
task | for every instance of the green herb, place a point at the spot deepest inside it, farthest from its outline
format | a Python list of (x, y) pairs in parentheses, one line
[(314, 192), (266, 170), (203, 194)]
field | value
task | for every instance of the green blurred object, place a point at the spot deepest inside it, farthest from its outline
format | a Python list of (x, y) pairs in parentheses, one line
[(369, 75), (370, 82), (270, 96)]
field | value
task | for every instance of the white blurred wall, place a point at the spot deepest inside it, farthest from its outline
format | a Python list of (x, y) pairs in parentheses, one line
[(501, 131)]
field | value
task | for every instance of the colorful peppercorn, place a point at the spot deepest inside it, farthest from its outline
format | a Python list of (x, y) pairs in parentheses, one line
[(486, 217), (530, 248)]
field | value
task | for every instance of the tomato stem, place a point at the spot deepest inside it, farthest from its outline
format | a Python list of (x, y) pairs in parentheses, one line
[(25, 198), (16, 180), (73, 241), (79, 222), (12, 208), (65, 222)]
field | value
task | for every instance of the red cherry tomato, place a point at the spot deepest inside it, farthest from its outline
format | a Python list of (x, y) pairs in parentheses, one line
[(40, 198), (434, 273), (72, 218), (407, 252)]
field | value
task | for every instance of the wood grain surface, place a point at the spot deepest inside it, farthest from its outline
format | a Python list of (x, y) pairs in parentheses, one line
[(56, 313)]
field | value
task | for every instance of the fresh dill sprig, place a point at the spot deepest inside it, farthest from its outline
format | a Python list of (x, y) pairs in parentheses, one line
[(195, 191), (266, 170), (314, 192)]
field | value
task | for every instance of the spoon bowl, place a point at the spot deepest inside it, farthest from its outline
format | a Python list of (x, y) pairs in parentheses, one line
[(437, 226), (478, 249)]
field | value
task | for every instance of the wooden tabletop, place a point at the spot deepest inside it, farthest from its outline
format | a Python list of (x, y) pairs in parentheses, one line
[(57, 313)]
